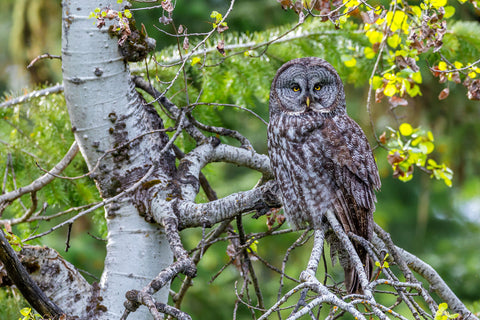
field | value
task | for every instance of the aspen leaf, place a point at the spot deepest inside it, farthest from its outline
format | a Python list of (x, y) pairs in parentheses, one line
[(405, 129), (442, 66), (438, 3), (369, 53), (195, 60), (390, 90)]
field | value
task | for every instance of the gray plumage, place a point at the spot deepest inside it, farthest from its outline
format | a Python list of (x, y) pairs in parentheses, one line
[(319, 155)]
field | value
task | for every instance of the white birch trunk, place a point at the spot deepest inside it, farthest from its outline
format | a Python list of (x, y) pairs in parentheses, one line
[(103, 108)]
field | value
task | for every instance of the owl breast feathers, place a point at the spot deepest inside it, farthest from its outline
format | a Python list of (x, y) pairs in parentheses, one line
[(320, 156)]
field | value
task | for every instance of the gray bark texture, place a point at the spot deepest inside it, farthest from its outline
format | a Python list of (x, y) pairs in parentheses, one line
[(107, 114)]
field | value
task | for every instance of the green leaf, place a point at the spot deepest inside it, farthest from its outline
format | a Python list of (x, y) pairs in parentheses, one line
[(394, 40), (377, 82), (449, 11), (25, 311)]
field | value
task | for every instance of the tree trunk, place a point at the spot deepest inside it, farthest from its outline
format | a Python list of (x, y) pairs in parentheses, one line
[(106, 112)]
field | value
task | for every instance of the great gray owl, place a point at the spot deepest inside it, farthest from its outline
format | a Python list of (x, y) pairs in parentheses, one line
[(319, 155)]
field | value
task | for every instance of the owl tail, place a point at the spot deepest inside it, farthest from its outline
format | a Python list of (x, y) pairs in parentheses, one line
[(352, 281)]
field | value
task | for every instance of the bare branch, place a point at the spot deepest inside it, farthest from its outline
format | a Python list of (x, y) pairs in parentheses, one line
[(436, 283), (191, 214), (43, 180), (99, 205), (43, 56), (35, 94)]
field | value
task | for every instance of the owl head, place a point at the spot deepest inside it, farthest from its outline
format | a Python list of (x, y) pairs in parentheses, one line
[(307, 85)]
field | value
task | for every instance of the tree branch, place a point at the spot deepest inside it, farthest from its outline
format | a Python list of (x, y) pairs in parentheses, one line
[(192, 214), (20, 277), (436, 283), (43, 180)]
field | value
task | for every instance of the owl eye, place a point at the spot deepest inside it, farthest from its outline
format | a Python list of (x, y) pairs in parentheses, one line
[(296, 88), (317, 87)]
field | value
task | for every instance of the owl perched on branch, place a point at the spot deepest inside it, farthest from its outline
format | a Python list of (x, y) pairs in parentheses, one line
[(320, 156)]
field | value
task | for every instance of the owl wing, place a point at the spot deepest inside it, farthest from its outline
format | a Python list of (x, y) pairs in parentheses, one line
[(354, 174), (355, 170)]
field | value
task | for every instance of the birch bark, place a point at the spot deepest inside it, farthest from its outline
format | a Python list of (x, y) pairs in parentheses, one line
[(106, 112)]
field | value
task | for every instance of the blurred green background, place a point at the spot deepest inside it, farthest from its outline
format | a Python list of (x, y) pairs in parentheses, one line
[(439, 224)]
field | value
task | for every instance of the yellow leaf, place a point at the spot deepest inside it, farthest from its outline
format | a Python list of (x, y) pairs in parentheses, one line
[(442, 306), (377, 82), (414, 91), (417, 11), (342, 19), (447, 181), (369, 53), (442, 66), (458, 65), (351, 63), (380, 21), (405, 129), (449, 11), (405, 178), (396, 20), (25, 311), (430, 135), (351, 3), (390, 90), (438, 3), (416, 141), (394, 40), (389, 76), (427, 147), (417, 77), (432, 163), (195, 60), (374, 36), (472, 74)]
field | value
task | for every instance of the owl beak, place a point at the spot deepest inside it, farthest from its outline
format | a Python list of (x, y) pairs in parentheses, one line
[(307, 101)]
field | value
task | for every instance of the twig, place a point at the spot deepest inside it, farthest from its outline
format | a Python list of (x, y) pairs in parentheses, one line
[(229, 105), (98, 205), (253, 276), (43, 56), (43, 180), (35, 94)]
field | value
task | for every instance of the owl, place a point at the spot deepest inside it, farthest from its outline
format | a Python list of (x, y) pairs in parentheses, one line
[(320, 156)]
